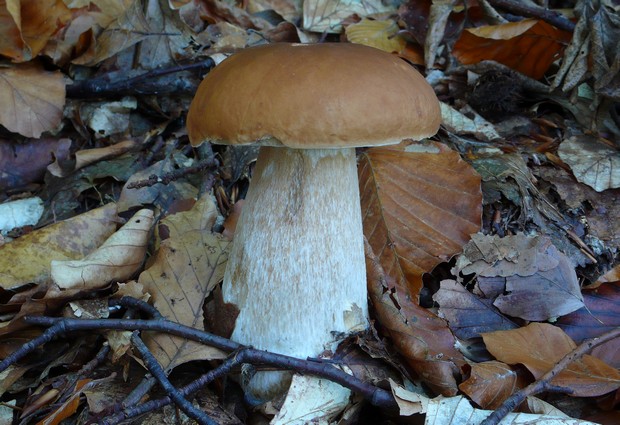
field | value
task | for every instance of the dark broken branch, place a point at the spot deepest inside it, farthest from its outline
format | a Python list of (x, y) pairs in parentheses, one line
[(517, 7)]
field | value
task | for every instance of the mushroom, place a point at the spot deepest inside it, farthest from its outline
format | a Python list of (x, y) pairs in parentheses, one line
[(296, 271)]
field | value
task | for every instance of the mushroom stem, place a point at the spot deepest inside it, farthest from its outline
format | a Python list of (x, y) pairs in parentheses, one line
[(296, 271)]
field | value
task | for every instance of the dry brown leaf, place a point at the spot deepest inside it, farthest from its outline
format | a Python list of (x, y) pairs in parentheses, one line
[(28, 258), (381, 35), (592, 161), (31, 99), (126, 30), (188, 264), (440, 10), (120, 256), (27, 25), (468, 315), (490, 383), (539, 346), (419, 208), (529, 46), (422, 338)]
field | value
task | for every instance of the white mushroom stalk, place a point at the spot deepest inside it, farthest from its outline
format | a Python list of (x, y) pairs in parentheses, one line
[(296, 271)]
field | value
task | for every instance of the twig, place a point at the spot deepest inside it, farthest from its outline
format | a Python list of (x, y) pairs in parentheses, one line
[(554, 18), (58, 326), (174, 175), (142, 84), (158, 372), (544, 383)]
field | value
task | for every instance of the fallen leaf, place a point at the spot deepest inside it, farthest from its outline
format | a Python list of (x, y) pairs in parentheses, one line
[(458, 123), (328, 15), (467, 314), (27, 259), (312, 400), (24, 163), (600, 314), (418, 208), (116, 260), (490, 383), (27, 25), (381, 35), (185, 269), (458, 410), (31, 99), (422, 338), (539, 282), (86, 157), (20, 213), (529, 46), (592, 161), (539, 346)]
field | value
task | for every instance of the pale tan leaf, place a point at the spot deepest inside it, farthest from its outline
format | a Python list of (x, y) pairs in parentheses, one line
[(28, 258), (437, 21), (89, 156), (539, 346), (592, 161), (381, 35), (120, 256), (458, 411), (458, 123), (409, 402), (128, 29), (327, 15), (31, 99), (419, 208), (188, 264)]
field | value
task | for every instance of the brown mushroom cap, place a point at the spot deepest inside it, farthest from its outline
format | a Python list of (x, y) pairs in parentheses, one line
[(309, 96)]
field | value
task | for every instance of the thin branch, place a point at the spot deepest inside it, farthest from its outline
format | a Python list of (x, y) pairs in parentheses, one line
[(176, 174), (142, 84), (158, 372), (544, 383), (59, 326), (554, 18)]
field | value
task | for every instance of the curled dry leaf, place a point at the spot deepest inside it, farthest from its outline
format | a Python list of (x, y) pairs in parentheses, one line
[(529, 46), (31, 99), (26, 26), (422, 338), (120, 256), (419, 208), (187, 266), (89, 156), (539, 346), (27, 259), (592, 161)]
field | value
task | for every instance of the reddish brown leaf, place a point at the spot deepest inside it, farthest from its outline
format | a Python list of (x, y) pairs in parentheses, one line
[(490, 383), (539, 346), (528, 46), (419, 208)]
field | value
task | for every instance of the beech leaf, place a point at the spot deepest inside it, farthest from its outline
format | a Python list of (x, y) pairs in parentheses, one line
[(120, 256), (31, 99), (190, 261), (490, 383), (418, 208), (528, 46), (539, 346)]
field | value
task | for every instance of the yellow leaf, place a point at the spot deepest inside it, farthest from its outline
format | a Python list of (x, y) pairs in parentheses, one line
[(382, 35)]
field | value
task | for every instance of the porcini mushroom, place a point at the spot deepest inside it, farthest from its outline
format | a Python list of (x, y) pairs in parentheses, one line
[(296, 271)]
